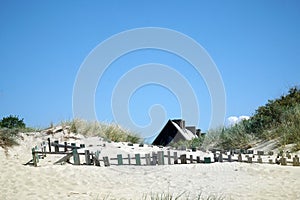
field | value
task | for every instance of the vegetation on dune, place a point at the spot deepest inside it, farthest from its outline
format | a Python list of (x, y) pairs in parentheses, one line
[(9, 129), (194, 143), (279, 118), (111, 132)]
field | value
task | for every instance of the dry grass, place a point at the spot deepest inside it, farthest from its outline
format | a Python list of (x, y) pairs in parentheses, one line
[(109, 131)]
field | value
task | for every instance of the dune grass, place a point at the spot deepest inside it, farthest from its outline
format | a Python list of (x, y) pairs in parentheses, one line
[(278, 119), (109, 131), (170, 196)]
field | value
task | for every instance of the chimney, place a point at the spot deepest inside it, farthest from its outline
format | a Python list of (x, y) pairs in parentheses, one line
[(192, 129), (198, 132), (180, 123)]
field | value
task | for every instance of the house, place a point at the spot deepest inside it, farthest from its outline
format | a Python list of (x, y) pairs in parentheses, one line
[(174, 131)]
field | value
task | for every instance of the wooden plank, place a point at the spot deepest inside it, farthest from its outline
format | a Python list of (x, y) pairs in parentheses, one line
[(66, 158), (191, 159), (34, 157), (296, 161), (137, 159), (249, 159), (220, 157), (283, 161), (240, 159), (215, 157), (183, 159), (207, 160), (120, 159), (161, 160), (148, 159), (66, 148), (169, 158), (49, 144), (87, 157), (106, 161), (175, 158), (259, 159), (56, 147), (76, 157), (154, 158), (96, 158), (129, 159)]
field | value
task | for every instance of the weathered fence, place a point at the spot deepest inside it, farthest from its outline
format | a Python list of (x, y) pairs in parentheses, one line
[(155, 158)]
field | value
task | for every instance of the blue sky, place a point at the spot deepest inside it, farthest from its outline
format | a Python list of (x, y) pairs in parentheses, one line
[(254, 44)]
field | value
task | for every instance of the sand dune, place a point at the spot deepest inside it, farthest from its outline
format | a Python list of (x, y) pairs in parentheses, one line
[(228, 180)]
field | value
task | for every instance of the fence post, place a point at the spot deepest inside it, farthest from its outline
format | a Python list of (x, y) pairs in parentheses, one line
[(76, 157), (56, 147), (221, 157), (296, 161), (154, 158), (175, 158), (120, 159), (34, 157), (161, 159), (169, 158), (198, 159), (148, 160), (249, 159), (96, 158), (137, 159), (259, 159), (229, 158), (87, 157), (106, 161), (44, 148), (191, 159), (183, 159), (49, 144), (240, 159), (283, 161), (66, 149), (129, 159), (215, 157)]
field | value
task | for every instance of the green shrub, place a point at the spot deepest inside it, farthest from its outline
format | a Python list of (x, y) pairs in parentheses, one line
[(12, 122)]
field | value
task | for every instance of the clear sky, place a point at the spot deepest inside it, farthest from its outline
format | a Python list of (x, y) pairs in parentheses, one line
[(254, 44)]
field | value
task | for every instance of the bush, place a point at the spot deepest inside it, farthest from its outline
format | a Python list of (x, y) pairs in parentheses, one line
[(11, 122), (8, 137)]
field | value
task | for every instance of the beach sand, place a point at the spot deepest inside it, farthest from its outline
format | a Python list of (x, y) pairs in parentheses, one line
[(226, 180)]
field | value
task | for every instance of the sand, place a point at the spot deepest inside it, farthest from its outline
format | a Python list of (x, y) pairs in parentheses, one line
[(226, 180)]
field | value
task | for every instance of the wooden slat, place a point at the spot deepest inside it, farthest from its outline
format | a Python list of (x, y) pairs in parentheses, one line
[(64, 159), (120, 159), (160, 156), (148, 159), (106, 161), (169, 158), (87, 157), (137, 159), (154, 158), (76, 157), (175, 158)]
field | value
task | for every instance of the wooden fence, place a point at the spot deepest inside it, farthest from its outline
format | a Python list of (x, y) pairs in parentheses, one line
[(155, 158)]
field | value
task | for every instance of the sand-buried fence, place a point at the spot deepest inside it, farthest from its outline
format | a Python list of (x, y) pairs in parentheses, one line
[(72, 155)]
